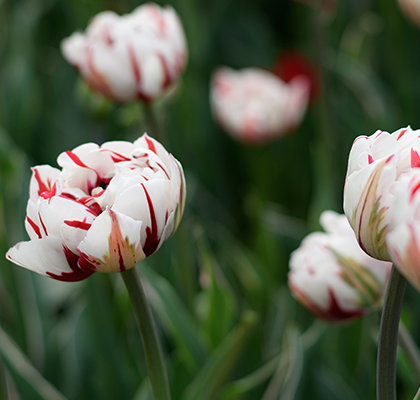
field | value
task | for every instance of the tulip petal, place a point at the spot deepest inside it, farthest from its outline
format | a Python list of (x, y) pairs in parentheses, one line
[(42, 180), (48, 256), (112, 243), (151, 203)]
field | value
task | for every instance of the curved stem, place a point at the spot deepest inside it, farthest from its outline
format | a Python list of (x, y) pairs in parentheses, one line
[(388, 337), (152, 123), (154, 358), (410, 349)]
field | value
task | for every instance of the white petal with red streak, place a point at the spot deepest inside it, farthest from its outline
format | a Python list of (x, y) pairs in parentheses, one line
[(53, 212), (134, 203), (148, 142), (40, 255), (101, 247), (43, 178)]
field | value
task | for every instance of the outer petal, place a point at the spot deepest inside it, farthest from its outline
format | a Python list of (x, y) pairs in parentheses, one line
[(112, 244), (47, 256), (149, 202), (368, 213)]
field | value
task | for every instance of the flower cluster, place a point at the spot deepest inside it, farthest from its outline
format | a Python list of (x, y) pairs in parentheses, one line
[(381, 198), (331, 275), (107, 209), (130, 57)]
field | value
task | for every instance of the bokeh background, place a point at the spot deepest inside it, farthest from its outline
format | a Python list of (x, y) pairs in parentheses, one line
[(228, 324)]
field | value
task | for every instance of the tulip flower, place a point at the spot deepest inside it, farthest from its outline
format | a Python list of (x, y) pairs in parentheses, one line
[(411, 9), (107, 209), (375, 162), (403, 238), (331, 275), (255, 106), (131, 57)]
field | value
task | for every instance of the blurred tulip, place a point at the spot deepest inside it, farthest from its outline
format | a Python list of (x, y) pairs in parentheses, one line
[(403, 239), (411, 9), (107, 209), (130, 57), (332, 277), (255, 106), (375, 162)]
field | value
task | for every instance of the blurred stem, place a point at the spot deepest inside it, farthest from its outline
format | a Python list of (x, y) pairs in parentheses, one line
[(410, 349), (3, 382), (152, 123), (388, 337), (154, 358), (324, 149)]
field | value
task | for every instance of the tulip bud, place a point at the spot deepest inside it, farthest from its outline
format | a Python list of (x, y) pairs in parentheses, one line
[(403, 239), (131, 57), (107, 209), (332, 277), (255, 106), (375, 163)]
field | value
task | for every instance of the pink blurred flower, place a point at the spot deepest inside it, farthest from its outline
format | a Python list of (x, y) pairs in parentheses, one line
[(255, 106), (332, 277), (107, 209), (411, 9), (375, 163), (130, 57)]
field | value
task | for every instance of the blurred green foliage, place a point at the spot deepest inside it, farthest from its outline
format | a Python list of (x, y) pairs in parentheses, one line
[(229, 326)]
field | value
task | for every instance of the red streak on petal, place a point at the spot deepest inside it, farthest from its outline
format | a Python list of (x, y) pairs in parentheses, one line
[(76, 159), (87, 264), (42, 224), (150, 144), (370, 158), (401, 134), (134, 65), (152, 240), (167, 81), (414, 190), (41, 185), (415, 159), (378, 134), (77, 274), (163, 169), (34, 227), (78, 224)]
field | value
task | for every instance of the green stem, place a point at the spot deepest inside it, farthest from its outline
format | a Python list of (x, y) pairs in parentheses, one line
[(154, 358), (410, 349), (388, 337), (152, 123)]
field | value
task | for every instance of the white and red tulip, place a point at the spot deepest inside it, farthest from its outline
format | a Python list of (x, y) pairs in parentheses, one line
[(107, 209), (255, 106), (375, 163), (332, 277), (136, 56)]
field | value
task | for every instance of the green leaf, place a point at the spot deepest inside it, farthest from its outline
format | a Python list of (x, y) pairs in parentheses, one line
[(171, 311), (222, 361), (19, 364)]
